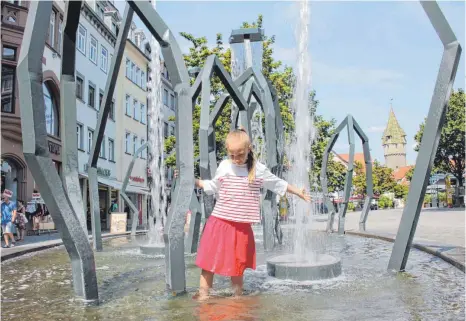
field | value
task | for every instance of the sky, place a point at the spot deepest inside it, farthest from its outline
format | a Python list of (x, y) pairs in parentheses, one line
[(363, 54)]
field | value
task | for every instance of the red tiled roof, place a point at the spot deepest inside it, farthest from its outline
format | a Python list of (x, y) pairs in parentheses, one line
[(400, 173)]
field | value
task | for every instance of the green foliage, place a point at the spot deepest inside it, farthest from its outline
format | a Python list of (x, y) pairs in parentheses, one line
[(351, 206), (409, 174), (450, 156), (427, 199), (281, 77), (400, 190), (382, 179), (385, 202)]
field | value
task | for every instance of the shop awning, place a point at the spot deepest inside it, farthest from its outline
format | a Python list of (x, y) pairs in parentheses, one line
[(118, 185)]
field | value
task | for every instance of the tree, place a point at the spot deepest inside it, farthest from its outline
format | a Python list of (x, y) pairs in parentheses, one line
[(409, 174), (451, 148), (382, 179), (400, 191), (281, 77)]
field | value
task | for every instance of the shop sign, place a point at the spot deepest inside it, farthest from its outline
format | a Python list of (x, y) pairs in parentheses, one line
[(100, 171), (138, 179), (54, 148)]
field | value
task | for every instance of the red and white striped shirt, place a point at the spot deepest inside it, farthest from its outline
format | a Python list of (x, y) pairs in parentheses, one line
[(237, 200)]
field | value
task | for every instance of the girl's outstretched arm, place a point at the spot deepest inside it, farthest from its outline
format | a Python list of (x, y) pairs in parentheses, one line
[(298, 192)]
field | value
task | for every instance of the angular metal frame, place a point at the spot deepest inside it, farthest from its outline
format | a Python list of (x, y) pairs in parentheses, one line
[(351, 126), (430, 139), (34, 134), (102, 123), (128, 201)]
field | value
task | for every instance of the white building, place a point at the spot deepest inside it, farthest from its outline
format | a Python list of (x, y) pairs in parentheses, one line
[(95, 42)]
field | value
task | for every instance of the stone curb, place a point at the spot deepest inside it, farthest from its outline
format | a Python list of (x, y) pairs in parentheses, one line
[(57, 243), (458, 264)]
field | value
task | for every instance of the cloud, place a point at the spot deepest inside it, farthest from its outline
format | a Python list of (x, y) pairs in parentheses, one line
[(375, 129)]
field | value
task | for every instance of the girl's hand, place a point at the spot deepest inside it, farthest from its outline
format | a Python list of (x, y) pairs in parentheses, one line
[(303, 195)]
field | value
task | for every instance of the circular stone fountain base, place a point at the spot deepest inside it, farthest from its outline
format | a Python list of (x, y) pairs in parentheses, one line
[(286, 267), (153, 249)]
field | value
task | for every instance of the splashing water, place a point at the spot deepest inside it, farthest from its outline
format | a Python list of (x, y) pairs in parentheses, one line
[(156, 145), (302, 138)]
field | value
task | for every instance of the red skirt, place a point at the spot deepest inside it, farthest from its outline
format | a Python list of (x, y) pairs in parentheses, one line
[(226, 248)]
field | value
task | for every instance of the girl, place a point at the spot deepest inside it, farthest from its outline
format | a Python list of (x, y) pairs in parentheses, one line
[(21, 221), (227, 245)]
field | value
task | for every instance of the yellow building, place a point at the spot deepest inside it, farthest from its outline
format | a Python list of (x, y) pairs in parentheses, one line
[(131, 119)]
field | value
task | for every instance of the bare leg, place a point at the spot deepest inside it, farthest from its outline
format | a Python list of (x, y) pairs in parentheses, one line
[(237, 284), (205, 284), (5, 237)]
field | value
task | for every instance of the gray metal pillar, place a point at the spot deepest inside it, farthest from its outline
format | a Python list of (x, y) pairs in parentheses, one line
[(69, 154), (133, 208), (430, 139), (35, 145), (101, 124), (192, 239), (84, 197), (348, 178)]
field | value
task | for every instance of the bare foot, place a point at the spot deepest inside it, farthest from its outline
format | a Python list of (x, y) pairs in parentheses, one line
[(201, 296)]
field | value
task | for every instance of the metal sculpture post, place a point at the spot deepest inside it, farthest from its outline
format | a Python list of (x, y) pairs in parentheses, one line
[(101, 124), (68, 113), (35, 145), (430, 139), (182, 195), (133, 208), (352, 126)]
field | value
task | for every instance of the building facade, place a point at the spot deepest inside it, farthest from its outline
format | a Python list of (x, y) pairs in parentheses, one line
[(95, 42), (131, 120), (394, 143), (15, 173)]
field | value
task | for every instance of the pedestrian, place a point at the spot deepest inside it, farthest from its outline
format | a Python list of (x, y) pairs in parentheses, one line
[(227, 246), (20, 221), (8, 217)]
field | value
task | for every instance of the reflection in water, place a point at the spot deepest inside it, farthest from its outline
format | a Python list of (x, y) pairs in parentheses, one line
[(222, 309), (132, 287)]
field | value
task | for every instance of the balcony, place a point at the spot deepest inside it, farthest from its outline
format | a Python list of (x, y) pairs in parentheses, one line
[(14, 15)]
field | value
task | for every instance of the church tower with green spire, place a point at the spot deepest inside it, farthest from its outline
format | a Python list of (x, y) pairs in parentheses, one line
[(394, 143)]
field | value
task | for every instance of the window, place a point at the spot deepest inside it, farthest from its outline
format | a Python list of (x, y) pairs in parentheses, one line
[(9, 54), (128, 68), (91, 96), (8, 88), (90, 137), (79, 134), (60, 35), (172, 130), (104, 59), (102, 148), (165, 129), (143, 114), (111, 150), (51, 39), (128, 105), (79, 87), (127, 143), (101, 97), (114, 28), (138, 76), (136, 110), (172, 102), (51, 111), (143, 152), (143, 80), (165, 97), (101, 12), (111, 113), (93, 50), (82, 39), (133, 71), (135, 144)]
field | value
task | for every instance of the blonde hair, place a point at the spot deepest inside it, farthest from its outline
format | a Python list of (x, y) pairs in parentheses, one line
[(241, 135)]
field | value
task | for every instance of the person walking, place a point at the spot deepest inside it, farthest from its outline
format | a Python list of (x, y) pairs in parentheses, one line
[(8, 217)]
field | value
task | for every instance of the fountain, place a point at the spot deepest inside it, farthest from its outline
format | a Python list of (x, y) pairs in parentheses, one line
[(158, 192), (307, 262)]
